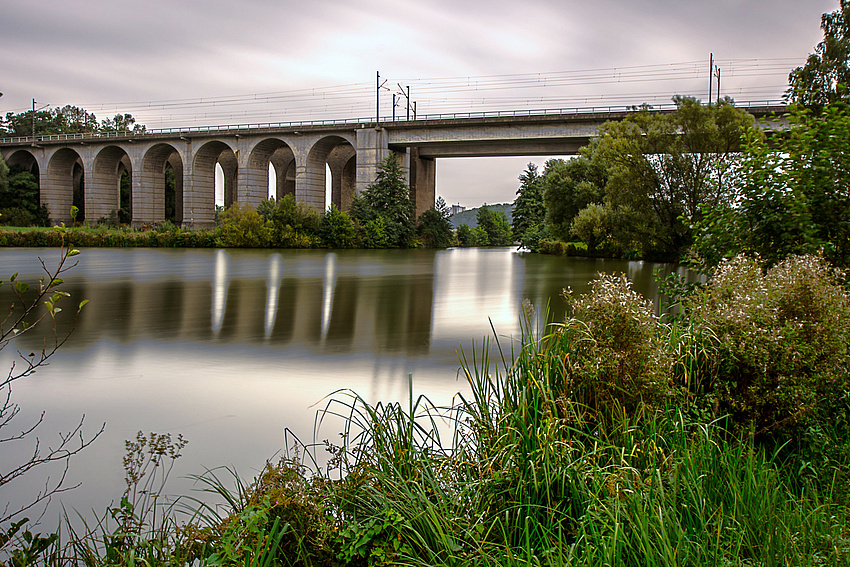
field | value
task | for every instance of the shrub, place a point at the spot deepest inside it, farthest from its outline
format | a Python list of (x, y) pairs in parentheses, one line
[(781, 339), (243, 227), (291, 222), (615, 356), (336, 229), (464, 236), (16, 216)]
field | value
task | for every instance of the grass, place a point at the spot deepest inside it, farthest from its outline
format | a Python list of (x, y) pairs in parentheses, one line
[(530, 467)]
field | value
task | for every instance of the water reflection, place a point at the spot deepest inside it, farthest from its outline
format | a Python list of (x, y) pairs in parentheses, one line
[(273, 285), (328, 295), (349, 301), (220, 281)]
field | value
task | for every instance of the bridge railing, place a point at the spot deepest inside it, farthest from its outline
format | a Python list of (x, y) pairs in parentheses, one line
[(384, 120)]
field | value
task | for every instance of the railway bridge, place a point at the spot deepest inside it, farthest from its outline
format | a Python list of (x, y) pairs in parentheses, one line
[(301, 153)]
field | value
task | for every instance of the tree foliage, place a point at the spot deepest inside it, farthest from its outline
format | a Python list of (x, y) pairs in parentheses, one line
[(663, 167), (434, 228), (568, 187), (826, 74), (19, 198), (493, 228), (387, 206), (65, 120), (529, 209), (793, 196)]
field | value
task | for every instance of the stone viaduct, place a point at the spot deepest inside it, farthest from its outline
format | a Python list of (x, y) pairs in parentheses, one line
[(300, 154)]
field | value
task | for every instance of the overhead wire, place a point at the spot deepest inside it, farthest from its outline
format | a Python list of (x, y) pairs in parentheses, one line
[(557, 89)]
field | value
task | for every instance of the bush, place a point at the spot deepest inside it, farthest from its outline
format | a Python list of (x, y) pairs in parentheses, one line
[(336, 229), (294, 225), (243, 227), (16, 216), (464, 236), (615, 353), (781, 338)]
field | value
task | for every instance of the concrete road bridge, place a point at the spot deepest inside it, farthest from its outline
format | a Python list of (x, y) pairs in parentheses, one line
[(299, 152)]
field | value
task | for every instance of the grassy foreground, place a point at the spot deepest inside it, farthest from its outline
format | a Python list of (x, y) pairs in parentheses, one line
[(609, 438)]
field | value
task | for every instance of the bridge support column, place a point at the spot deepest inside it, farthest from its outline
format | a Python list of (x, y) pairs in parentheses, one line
[(423, 181), (372, 149)]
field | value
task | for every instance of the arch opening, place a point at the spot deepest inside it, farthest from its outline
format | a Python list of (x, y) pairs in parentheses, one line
[(270, 173), (160, 194), (199, 206), (104, 195), (333, 157), (64, 186)]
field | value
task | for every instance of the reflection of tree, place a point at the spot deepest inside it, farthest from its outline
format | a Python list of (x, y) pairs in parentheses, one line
[(403, 314)]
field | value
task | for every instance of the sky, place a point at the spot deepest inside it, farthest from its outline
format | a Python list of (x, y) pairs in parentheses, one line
[(190, 62)]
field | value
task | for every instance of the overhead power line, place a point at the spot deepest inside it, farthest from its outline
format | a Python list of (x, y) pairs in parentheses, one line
[(750, 78)]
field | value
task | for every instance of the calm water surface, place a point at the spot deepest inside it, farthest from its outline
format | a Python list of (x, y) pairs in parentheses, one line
[(231, 347)]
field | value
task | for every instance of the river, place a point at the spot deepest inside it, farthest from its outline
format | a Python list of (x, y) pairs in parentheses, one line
[(232, 347)]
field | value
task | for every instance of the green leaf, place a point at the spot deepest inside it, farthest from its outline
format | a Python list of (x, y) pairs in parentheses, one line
[(14, 277), (73, 252), (82, 304)]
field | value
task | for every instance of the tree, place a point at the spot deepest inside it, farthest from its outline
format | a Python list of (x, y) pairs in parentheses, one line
[(336, 229), (591, 225), (65, 120), (19, 198), (464, 236), (663, 167), (32, 307), (793, 196), (529, 208), (568, 187), (121, 123), (387, 199), (493, 224), (434, 228), (826, 75)]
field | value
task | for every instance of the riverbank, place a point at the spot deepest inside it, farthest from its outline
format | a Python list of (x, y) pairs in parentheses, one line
[(609, 438)]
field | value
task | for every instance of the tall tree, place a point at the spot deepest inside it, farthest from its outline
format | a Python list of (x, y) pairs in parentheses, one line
[(529, 209), (386, 204), (568, 187), (434, 227), (793, 196), (826, 75), (663, 167), (495, 225)]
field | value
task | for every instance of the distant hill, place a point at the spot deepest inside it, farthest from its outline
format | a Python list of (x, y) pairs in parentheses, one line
[(470, 216)]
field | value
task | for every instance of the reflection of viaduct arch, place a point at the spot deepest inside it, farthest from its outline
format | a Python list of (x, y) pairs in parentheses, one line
[(280, 155), (312, 189), (200, 207), (104, 190), (149, 201), (64, 173)]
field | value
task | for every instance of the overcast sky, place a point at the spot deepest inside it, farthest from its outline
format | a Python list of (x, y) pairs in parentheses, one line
[(181, 62)]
